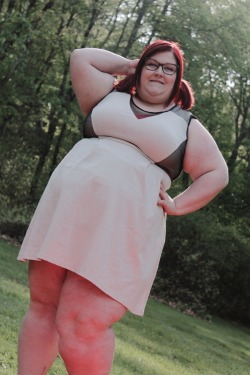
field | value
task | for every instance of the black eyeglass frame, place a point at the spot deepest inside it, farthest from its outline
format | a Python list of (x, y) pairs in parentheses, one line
[(162, 66)]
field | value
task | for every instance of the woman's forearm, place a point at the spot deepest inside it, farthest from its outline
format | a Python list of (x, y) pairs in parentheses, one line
[(197, 195), (92, 71), (103, 60), (200, 192)]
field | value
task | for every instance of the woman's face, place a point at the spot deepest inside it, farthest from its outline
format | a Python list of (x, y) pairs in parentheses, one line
[(156, 86)]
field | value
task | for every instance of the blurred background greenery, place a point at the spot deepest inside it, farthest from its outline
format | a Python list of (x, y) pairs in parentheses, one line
[(205, 266)]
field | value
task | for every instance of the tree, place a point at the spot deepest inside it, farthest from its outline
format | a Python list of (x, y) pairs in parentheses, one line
[(40, 120)]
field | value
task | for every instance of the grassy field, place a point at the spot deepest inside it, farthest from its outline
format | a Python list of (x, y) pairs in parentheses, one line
[(163, 342)]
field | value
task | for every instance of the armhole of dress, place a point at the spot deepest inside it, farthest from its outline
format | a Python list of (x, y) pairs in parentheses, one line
[(187, 131), (189, 121)]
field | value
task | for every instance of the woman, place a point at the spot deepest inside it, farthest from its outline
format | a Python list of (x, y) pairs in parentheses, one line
[(96, 238)]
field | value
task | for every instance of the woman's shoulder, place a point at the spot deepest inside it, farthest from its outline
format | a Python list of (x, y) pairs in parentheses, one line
[(185, 114)]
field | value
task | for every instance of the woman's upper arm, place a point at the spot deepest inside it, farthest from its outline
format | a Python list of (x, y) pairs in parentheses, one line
[(202, 153), (90, 84)]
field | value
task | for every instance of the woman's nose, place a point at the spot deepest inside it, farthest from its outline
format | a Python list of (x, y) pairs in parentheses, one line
[(159, 70)]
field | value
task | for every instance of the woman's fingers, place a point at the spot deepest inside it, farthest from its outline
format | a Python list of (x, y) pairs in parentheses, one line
[(166, 202)]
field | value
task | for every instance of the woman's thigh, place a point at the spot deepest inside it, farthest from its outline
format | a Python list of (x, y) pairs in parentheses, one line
[(84, 308), (45, 282)]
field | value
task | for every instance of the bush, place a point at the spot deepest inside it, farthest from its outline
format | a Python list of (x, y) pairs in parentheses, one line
[(14, 220), (205, 267)]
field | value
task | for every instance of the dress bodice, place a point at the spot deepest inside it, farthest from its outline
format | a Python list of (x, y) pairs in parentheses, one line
[(162, 136)]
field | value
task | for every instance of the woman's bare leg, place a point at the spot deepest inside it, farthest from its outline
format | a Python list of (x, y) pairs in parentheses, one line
[(84, 322), (38, 338)]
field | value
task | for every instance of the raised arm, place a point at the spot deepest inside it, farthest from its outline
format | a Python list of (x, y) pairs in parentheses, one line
[(207, 168), (92, 71)]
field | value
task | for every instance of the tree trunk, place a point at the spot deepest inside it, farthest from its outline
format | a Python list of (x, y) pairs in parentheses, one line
[(96, 8), (11, 6), (137, 24), (112, 25)]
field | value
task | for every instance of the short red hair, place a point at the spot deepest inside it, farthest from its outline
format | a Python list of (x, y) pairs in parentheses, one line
[(182, 93)]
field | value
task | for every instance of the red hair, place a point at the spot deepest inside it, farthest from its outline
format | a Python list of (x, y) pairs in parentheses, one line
[(182, 93)]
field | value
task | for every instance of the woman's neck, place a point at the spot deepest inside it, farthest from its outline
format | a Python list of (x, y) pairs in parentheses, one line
[(151, 107)]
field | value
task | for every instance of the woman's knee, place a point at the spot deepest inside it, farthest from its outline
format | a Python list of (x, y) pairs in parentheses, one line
[(84, 326), (85, 311)]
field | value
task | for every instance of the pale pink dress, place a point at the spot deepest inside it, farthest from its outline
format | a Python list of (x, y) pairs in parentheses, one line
[(98, 215)]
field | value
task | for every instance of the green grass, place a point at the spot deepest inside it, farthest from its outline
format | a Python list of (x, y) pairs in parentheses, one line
[(163, 342)]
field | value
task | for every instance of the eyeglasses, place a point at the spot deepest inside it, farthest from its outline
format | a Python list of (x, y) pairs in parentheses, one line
[(168, 69)]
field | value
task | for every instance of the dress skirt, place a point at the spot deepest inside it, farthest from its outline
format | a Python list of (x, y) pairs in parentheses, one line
[(99, 218)]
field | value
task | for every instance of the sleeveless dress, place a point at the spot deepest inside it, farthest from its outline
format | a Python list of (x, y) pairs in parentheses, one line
[(98, 215)]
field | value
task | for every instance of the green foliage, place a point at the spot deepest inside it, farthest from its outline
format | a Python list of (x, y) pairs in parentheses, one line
[(13, 219), (205, 261), (39, 117), (205, 267)]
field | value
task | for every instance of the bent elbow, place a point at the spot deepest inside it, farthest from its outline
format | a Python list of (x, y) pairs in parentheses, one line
[(76, 55), (224, 176), (226, 180)]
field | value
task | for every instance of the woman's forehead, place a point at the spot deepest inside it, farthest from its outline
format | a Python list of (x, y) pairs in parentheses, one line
[(164, 57)]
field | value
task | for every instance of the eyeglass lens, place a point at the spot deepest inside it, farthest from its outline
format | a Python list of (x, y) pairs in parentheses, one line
[(167, 68)]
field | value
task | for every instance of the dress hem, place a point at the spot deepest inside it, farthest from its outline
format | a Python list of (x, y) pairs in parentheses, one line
[(87, 277)]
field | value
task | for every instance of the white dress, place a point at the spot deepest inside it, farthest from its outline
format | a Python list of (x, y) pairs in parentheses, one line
[(98, 215)]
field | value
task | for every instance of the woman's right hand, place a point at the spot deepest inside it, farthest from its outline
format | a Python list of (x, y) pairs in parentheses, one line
[(132, 66)]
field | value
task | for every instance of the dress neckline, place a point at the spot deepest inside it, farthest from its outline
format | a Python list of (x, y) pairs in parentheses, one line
[(135, 108)]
